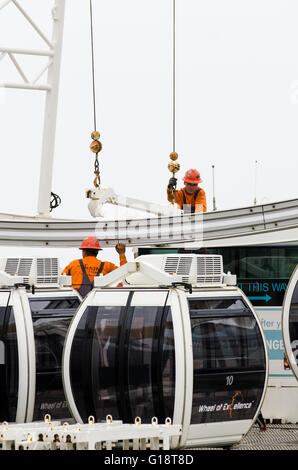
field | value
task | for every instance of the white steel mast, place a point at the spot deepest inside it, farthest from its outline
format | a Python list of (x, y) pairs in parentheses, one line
[(51, 87)]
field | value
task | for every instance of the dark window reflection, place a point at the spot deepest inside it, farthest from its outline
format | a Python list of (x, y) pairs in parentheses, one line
[(51, 318), (42, 306), (123, 364), (229, 367), (259, 262), (224, 305), (9, 365), (151, 364)]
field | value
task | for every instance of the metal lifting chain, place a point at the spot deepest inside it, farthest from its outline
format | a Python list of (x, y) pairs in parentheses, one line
[(95, 145), (173, 165)]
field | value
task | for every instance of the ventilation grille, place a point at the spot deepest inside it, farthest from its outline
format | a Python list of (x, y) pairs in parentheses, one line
[(205, 269), (44, 272), (47, 271), (209, 269), (19, 266), (180, 265)]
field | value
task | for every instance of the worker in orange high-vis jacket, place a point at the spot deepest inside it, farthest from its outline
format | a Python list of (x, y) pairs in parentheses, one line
[(191, 198), (84, 270)]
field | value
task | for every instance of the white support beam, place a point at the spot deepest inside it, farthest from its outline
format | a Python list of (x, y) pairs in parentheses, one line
[(25, 86), (116, 275), (49, 132), (18, 67), (51, 89), (149, 271), (37, 29), (6, 2), (12, 50), (42, 71)]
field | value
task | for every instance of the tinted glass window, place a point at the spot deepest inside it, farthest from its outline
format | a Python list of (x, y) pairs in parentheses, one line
[(229, 364), (94, 362), (151, 358), (9, 365), (122, 363), (259, 262), (249, 262), (51, 318), (41, 306), (226, 305)]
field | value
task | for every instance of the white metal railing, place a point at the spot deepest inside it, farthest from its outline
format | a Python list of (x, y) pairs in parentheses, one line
[(90, 436)]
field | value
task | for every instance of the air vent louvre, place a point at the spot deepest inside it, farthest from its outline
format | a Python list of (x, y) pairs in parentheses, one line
[(209, 269), (180, 265), (19, 266), (11, 266), (47, 270), (42, 272)]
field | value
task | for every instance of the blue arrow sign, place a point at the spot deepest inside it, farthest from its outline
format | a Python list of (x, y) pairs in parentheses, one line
[(260, 297)]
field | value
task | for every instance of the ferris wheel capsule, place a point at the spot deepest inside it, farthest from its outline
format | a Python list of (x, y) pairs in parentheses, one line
[(192, 354), (290, 322), (33, 325)]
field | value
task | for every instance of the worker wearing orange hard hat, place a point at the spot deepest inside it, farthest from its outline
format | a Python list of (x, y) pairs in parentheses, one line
[(84, 270), (191, 198)]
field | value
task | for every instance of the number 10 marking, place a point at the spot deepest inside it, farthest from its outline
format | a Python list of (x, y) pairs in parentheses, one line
[(229, 380)]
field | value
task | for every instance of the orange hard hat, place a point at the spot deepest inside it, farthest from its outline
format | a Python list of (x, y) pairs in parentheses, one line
[(90, 243), (192, 176)]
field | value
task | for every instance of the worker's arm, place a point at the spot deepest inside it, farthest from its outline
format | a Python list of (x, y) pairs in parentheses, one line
[(201, 205), (123, 260), (67, 270), (120, 248), (178, 198)]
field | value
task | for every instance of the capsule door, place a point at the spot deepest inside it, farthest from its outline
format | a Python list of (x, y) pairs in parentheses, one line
[(14, 368), (120, 357), (50, 315), (227, 374), (290, 322)]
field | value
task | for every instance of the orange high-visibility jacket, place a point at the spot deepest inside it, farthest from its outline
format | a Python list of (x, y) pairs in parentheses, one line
[(91, 264), (197, 204)]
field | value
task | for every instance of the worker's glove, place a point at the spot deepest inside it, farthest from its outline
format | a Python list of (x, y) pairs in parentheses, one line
[(172, 183), (120, 248)]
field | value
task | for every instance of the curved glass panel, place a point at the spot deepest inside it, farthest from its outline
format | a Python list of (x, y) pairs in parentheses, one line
[(122, 363), (51, 318), (9, 365), (229, 362), (151, 359)]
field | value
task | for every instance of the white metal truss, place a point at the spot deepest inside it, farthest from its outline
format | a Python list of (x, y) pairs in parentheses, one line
[(52, 50), (270, 223)]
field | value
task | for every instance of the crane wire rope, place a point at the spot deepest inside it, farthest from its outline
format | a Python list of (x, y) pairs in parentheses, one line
[(174, 74), (92, 62), (95, 145), (173, 165)]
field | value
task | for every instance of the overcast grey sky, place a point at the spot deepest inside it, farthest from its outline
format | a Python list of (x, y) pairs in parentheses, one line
[(237, 101)]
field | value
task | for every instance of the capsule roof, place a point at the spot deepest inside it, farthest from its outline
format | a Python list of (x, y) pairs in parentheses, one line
[(148, 270)]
